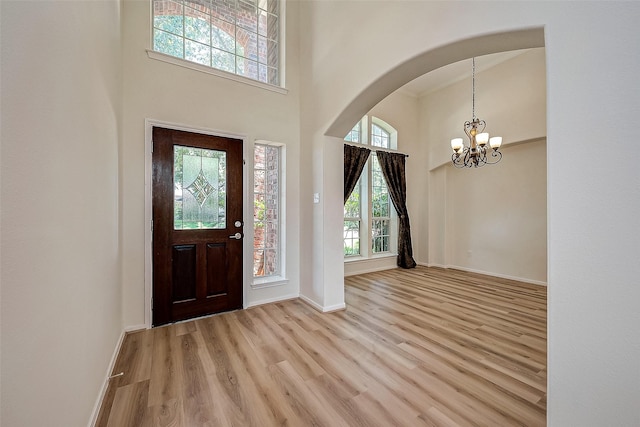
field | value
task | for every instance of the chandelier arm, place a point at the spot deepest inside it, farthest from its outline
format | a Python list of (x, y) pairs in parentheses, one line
[(497, 155), (482, 157), (483, 124), (457, 161), (468, 158), (467, 128)]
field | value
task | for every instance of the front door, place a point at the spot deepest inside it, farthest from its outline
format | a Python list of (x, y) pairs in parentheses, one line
[(197, 225)]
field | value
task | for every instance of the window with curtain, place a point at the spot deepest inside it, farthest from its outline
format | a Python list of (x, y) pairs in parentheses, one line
[(370, 222)]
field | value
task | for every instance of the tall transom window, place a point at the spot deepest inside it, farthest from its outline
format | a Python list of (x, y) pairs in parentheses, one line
[(370, 222), (236, 36)]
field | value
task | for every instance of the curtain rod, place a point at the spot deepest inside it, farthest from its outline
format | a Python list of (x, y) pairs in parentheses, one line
[(387, 150)]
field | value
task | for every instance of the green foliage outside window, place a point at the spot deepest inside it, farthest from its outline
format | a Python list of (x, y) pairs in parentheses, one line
[(236, 37)]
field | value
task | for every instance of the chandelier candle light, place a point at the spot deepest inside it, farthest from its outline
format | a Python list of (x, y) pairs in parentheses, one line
[(475, 154)]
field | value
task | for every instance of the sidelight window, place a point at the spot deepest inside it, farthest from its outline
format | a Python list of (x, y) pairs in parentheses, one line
[(267, 212)]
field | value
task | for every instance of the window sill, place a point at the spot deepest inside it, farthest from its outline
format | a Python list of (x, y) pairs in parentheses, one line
[(208, 70), (370, 258), (269, 282)]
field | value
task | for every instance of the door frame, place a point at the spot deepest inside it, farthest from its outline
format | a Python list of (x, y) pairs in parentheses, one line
[(247, 248)]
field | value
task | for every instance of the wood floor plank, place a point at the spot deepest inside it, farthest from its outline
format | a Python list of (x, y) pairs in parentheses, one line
[(421, 347), (198, 405), (167, 414), (130, 406), (166, 368)]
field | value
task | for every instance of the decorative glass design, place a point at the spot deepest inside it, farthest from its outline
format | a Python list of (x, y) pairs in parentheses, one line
[(200, 189)]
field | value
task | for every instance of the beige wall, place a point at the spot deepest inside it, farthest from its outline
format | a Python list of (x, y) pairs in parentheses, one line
[(61, 295), (65, 155), (592, 105), (511, 97), (500, 228), (493, 219), (169, 93)]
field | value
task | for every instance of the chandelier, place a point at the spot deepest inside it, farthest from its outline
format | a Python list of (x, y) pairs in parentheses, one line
[(476, 154)]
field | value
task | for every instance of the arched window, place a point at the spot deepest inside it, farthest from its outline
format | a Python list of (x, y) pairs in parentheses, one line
[(239, 37), (370, 223)]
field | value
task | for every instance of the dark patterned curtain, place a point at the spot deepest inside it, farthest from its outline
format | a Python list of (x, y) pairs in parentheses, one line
[(354, 160), (392, 165)]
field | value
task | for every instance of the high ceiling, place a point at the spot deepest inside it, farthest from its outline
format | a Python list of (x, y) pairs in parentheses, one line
[(455, 72)]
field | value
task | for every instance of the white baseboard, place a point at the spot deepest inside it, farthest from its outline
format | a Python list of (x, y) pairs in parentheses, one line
[(321, 308), (355, 266), (135, 328), (270, 300), (487, 273), (369, 270), (335, 307), (427, 264), (105, 384)]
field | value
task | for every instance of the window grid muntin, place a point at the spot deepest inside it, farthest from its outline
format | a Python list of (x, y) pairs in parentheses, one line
[(264, 68), (380, 228), (380, 209), (379, 136), (381, 235), (352, 222), (354, 134)]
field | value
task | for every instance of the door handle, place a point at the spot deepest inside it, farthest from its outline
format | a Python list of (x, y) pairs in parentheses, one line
[(236, 236)]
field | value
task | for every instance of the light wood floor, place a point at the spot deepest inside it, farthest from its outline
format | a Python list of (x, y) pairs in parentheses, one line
[(421, 347)]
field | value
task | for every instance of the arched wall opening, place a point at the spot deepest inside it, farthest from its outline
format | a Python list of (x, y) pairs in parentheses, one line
[(590, 79), (527, 219), (429, 61)]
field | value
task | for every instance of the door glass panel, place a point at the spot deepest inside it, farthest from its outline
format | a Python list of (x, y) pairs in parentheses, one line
[(200, 188)]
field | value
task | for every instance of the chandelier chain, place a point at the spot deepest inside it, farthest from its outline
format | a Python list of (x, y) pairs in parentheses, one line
[(473, 88)]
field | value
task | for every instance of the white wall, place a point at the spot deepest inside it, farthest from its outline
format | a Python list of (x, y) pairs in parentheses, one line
[(492, 219), (60, 107), (593, 195), (61, 316), (169, 93)]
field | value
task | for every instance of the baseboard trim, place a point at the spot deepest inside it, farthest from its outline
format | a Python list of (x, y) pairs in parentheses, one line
[(320, 308), (270, 300), (486, 273), (105, 384), (370, 270), (135, 328)]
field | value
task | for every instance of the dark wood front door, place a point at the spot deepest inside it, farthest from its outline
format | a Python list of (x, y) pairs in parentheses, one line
[(197, 225)]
